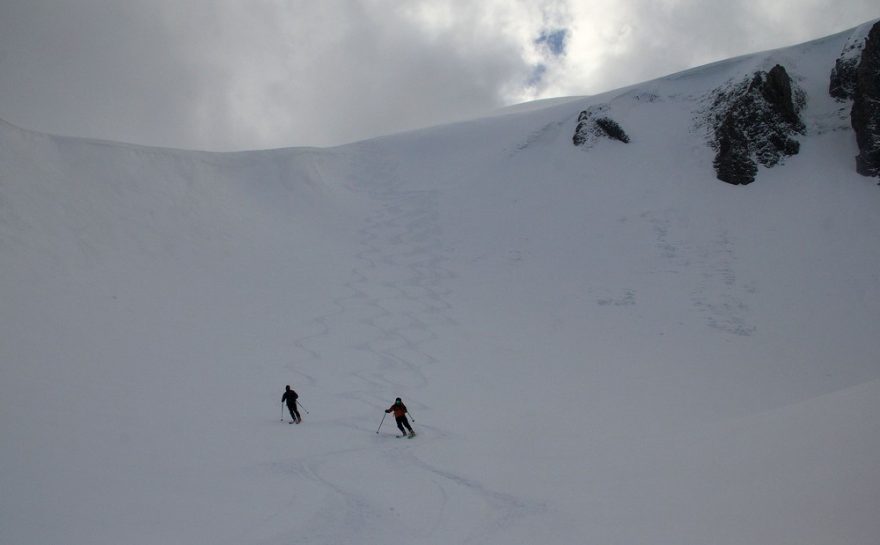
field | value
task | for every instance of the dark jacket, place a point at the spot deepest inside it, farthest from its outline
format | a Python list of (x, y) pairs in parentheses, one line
[(399, 409), (289, 396)]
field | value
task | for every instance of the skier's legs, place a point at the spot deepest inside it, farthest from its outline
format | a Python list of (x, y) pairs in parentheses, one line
[(405, 422), (400, 423), (293, 412)]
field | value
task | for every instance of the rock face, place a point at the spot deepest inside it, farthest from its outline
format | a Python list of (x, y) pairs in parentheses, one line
[(612, 130), (843, 75), (592, 125), (843, 79), (865, 114), (755, 122)]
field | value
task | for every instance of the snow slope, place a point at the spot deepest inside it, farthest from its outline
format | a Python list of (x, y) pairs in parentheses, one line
[(597, 346)]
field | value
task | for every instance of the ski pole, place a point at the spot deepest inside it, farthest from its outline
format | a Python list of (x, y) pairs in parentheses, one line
[(282, 412), (382, 422), (301, 407)]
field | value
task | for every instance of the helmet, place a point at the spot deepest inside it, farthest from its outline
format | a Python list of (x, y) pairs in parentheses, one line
[(397, 400)]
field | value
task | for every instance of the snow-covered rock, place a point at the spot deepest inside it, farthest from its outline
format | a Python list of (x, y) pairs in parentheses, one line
[(843, 76), (594, 124), (755, 122)]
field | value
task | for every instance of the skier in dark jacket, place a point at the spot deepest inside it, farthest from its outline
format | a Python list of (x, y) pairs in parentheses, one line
[(399, 410), (290, 397)]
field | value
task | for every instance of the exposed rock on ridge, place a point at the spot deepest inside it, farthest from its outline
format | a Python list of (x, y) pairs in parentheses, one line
[(592, 126), (843, 76), (755, 122)]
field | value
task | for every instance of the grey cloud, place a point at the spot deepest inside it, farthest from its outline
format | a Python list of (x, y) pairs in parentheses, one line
[(226, 74), (93, 68), (232, 75)]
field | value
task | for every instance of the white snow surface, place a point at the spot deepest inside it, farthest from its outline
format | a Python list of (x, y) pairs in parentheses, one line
[(604, 346)]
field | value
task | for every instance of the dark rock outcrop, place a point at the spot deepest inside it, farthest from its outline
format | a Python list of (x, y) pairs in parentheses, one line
[(865, 114), (733, 163), (612, 129), (755, 122), (843, 79), (592, 126), (843, 76)]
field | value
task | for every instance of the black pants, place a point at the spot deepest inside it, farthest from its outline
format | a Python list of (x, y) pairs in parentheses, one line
[(401, 422), (293, 412)]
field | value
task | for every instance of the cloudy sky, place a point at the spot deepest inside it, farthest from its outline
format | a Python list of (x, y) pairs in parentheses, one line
[(245, 74)]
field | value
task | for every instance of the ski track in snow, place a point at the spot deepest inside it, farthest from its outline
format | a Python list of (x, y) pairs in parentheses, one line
[(400, 240), (717, 294)]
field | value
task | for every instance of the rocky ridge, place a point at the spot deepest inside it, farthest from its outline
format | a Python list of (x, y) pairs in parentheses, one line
[(757, 120)]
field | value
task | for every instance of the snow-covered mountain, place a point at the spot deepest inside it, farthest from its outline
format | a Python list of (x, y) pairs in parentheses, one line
[(599, 343)]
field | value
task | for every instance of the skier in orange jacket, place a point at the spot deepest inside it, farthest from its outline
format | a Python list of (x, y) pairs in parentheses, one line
[(399, 410)]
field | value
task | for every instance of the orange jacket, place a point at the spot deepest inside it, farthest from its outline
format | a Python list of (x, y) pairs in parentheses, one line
[(399, 409)]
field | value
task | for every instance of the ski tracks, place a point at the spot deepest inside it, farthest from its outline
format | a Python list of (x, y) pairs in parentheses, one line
[(379, 333), (719, 294)]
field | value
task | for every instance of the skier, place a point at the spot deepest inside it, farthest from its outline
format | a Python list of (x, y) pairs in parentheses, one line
[(290, 397), (399, 410)]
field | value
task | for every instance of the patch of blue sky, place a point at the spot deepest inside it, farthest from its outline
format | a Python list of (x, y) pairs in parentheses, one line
[(555, 40), (536, 76)]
